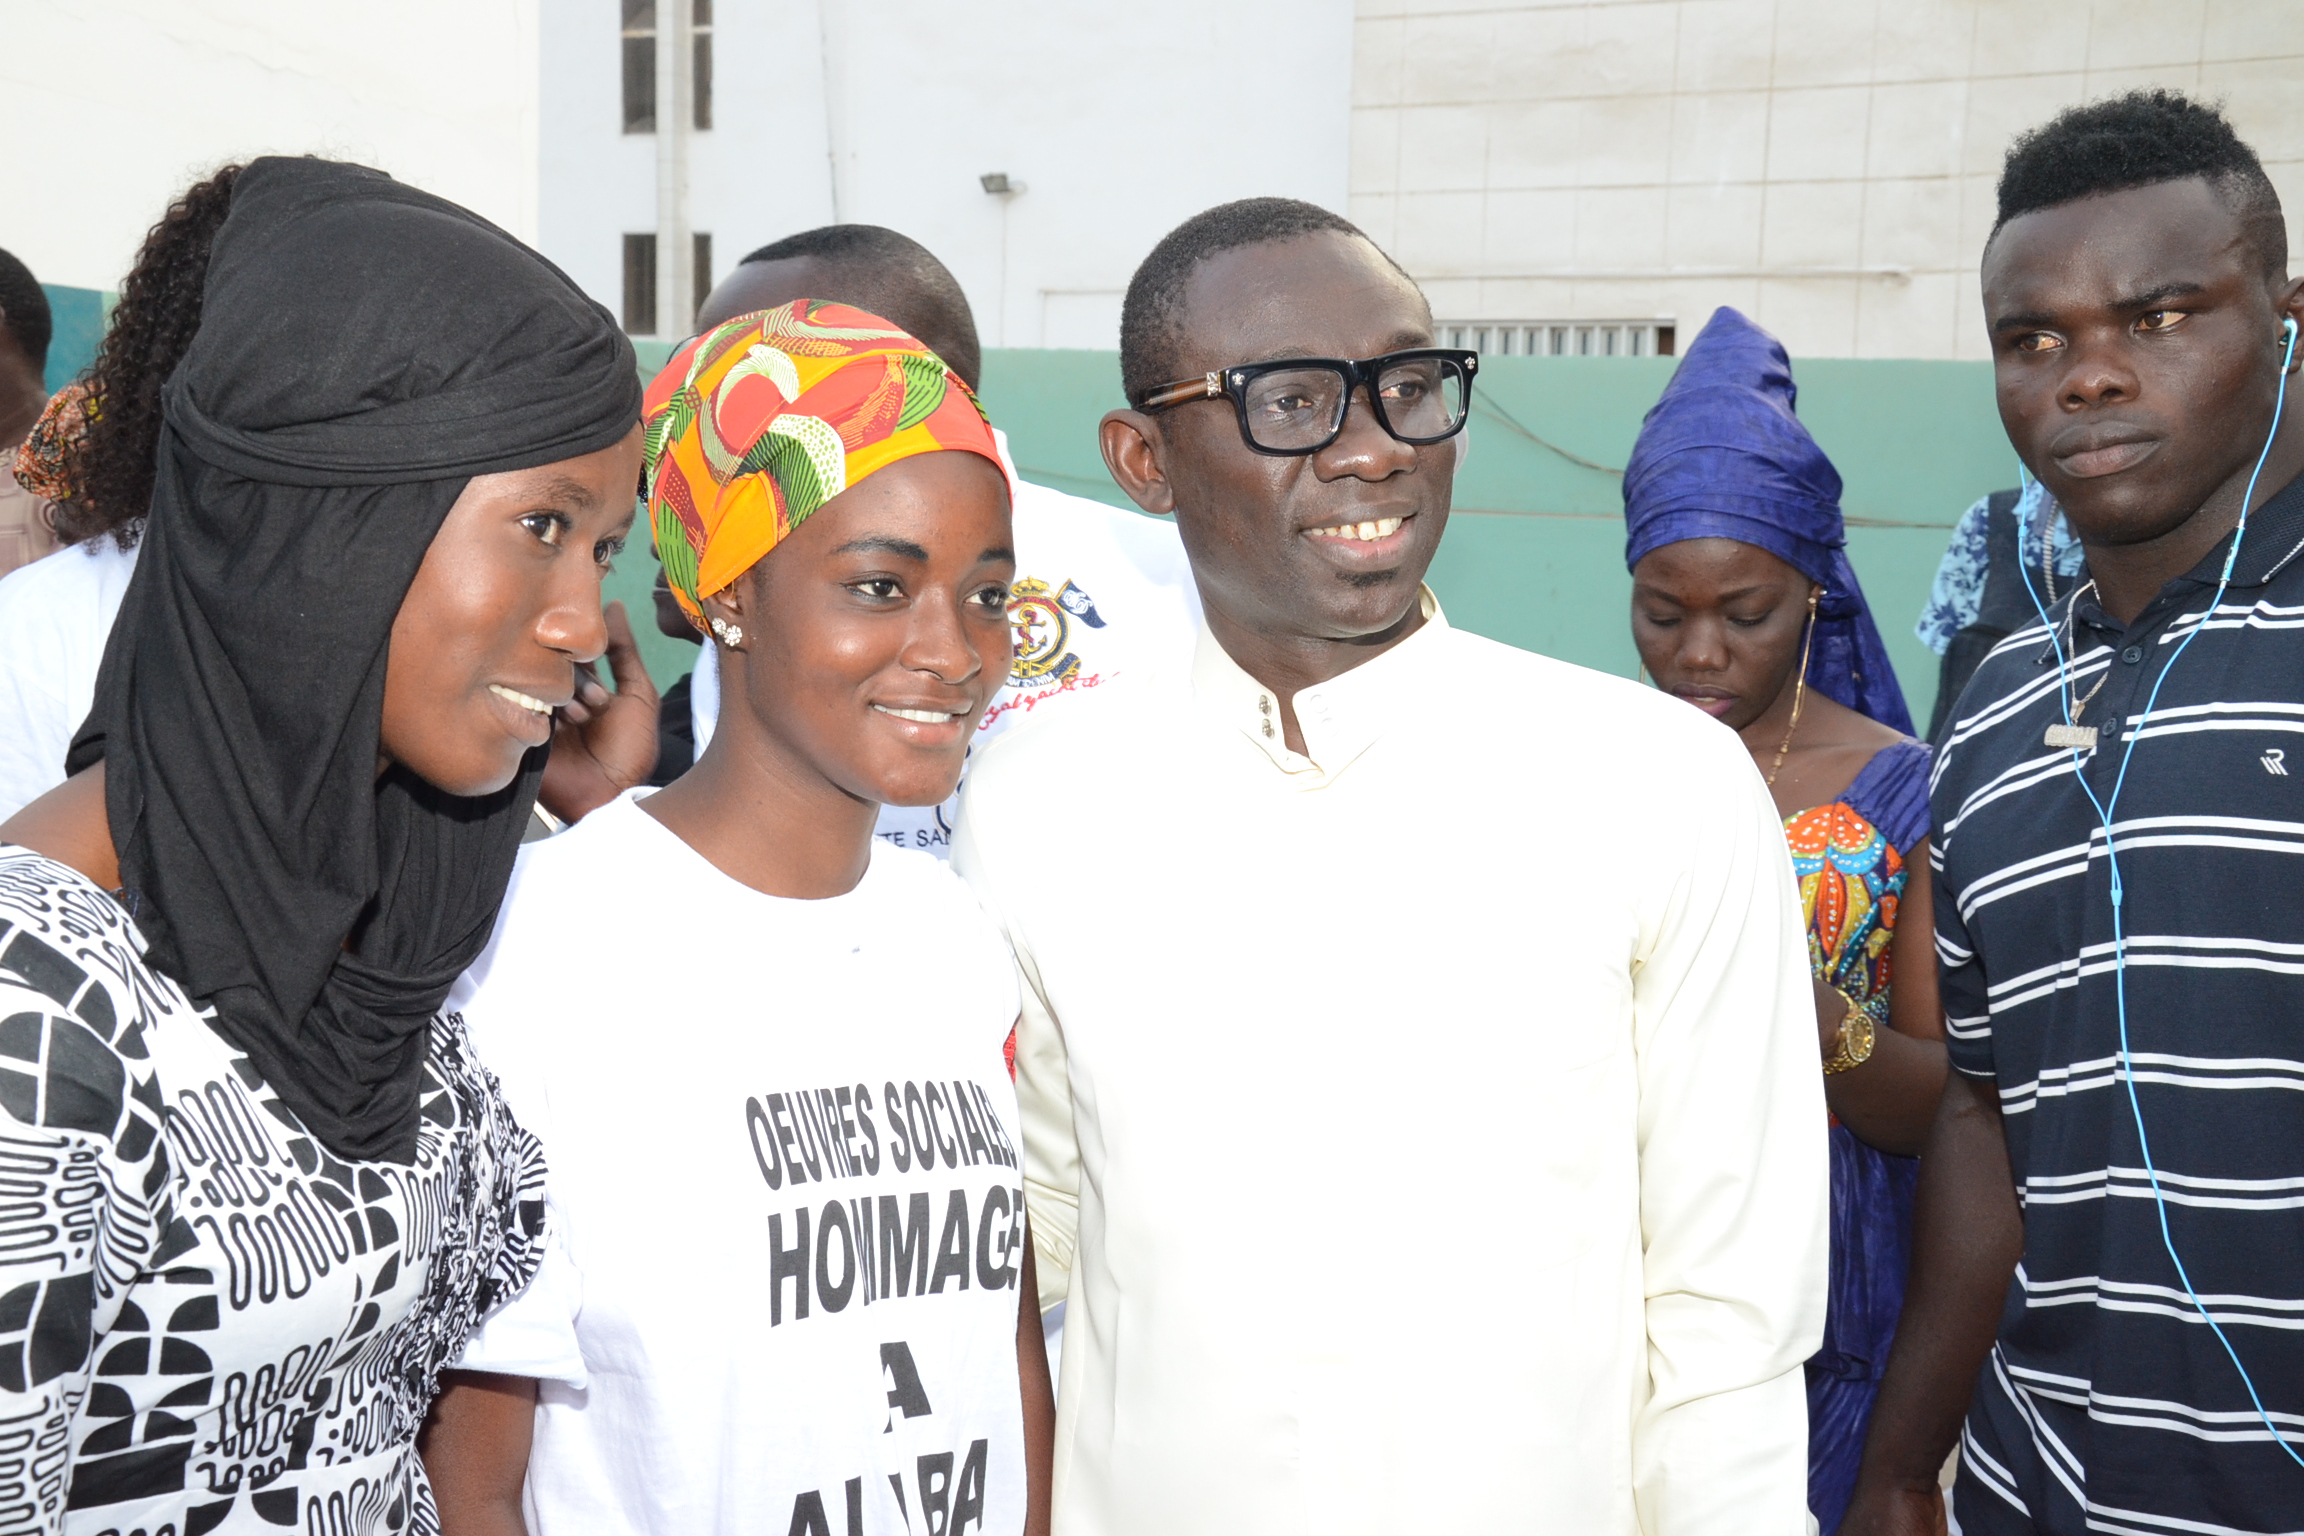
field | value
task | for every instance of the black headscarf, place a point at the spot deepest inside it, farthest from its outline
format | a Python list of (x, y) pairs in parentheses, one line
[(364, 349)]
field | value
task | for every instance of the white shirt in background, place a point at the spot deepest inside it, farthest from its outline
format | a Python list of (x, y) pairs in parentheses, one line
[(1099, 593), (1430, 1125), (785, 1207), (55, 615)]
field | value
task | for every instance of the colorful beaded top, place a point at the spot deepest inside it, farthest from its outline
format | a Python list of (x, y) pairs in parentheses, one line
[(1849, 857)]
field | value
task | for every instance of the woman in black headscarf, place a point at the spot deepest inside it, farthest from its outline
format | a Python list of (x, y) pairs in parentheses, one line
[(259, 1188)]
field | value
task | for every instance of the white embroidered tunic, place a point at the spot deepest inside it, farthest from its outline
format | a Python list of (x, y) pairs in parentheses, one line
[(1429, 1122)]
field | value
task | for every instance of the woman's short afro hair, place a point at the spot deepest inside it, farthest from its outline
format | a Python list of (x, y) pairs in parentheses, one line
[(1152, 314), (2140, 140)]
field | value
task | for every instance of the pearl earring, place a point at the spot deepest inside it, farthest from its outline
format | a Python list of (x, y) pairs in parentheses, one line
[(731, 635)]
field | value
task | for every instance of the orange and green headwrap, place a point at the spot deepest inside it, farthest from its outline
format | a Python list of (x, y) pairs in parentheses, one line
[(757, 423)]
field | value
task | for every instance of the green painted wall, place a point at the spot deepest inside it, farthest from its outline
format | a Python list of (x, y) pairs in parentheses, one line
[(1534, 553), (78, 314), (634, 578)]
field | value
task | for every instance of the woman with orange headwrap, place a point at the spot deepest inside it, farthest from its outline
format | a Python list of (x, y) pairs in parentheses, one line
[(788, 1286)]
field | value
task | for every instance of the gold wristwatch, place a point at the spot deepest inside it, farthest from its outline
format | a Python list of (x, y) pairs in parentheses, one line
[(1857, 1033)]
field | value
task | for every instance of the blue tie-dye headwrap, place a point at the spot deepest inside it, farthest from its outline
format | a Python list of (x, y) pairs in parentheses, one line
[(1722, 456)]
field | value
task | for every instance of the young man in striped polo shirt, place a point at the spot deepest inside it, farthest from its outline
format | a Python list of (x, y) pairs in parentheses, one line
[(2078, 1230)]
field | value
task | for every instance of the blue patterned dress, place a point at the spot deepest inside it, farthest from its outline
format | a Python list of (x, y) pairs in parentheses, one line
[(1849, 856)]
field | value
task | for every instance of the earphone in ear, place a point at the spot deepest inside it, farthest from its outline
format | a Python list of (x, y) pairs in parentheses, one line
[(2114, 845)]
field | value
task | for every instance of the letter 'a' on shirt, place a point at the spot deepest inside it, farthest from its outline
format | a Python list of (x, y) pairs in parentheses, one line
[(1425, 1130), (786, 1200)]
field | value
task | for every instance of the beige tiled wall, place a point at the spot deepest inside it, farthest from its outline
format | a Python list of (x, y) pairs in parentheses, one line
[(1825, 165)]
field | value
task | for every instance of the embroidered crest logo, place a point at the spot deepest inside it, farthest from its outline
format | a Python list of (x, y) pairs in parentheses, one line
[(1042, 618)]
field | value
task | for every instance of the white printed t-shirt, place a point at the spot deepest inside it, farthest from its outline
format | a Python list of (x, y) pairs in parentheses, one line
[(1100, 593), (55, 615), (786, 1213)]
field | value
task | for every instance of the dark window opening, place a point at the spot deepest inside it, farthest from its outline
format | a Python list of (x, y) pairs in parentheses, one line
[(639, 45), (640, 285), (702, 86), (1664, 341), (703, 271)]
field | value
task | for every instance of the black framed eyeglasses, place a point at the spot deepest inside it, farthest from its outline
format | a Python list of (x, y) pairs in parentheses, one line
[(1294, 406)]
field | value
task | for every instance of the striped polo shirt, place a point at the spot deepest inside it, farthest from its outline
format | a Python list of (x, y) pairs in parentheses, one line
[(2107, 1404)]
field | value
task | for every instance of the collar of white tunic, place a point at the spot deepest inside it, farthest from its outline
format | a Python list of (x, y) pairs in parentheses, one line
[(1342, 717)]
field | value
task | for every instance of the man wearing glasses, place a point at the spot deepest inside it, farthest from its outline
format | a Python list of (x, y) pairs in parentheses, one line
[(1419, 1092)]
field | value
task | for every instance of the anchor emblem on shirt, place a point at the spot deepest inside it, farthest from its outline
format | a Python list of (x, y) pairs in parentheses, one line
[(1042, 618)]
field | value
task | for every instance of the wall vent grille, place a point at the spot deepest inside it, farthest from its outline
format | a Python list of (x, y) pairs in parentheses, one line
[(1560, 338)]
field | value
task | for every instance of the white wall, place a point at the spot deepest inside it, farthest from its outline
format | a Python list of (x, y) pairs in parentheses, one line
[(1825, 165), (1119, 121), (760, 172), (107, 111)]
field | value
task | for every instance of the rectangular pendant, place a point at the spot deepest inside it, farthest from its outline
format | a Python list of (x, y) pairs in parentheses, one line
[(2080, 737)]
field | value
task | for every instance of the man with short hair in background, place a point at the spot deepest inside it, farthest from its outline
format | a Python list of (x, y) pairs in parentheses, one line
[(2107, 1297), (1419, 1081), (25, 328)]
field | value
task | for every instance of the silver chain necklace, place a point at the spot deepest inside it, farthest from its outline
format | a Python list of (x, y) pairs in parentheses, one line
[(2069, 732)]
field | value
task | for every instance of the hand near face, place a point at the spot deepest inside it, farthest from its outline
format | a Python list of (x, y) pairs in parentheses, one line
[(604, 743), (503, 612)]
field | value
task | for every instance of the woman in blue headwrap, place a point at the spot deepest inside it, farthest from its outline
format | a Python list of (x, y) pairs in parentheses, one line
[(1744, 604)]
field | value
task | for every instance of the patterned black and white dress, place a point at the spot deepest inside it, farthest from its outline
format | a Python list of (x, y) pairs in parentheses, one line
[(207, 1323)]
